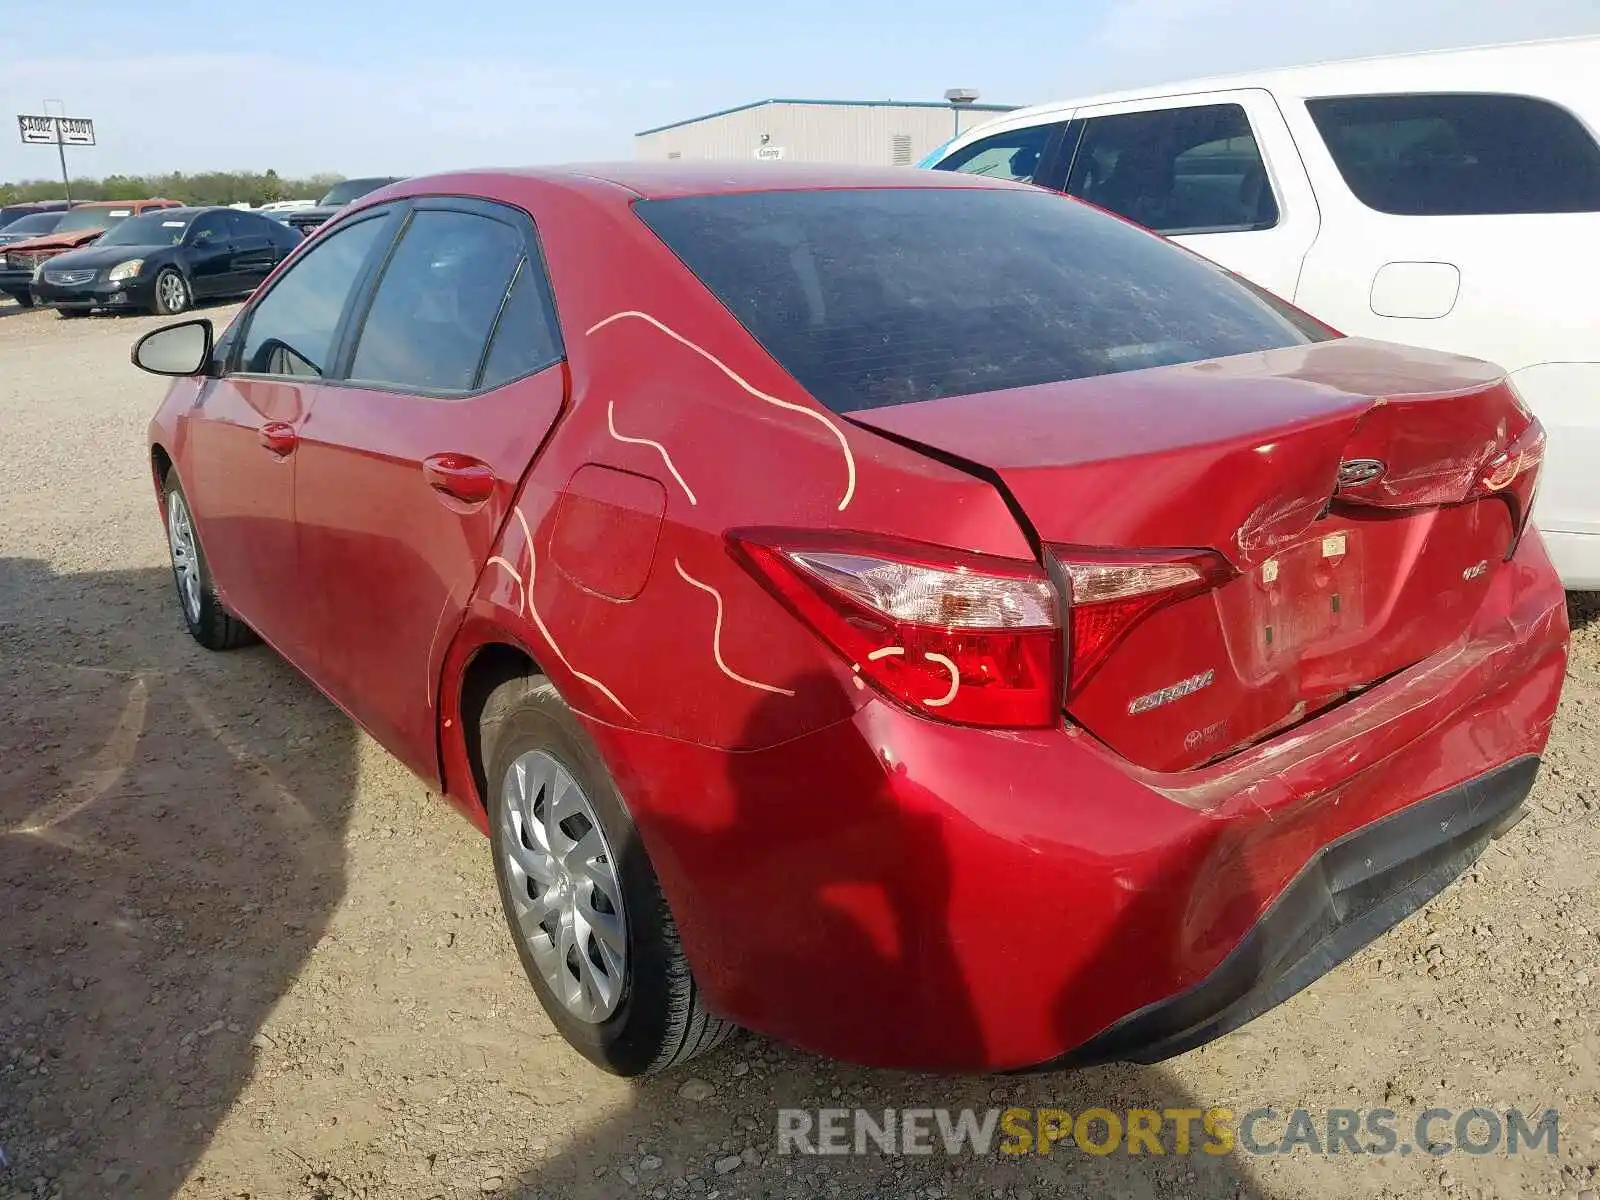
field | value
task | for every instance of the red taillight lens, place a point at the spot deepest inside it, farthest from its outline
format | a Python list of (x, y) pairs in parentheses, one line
[(1514, 476), (965, 638), (1111, 592)]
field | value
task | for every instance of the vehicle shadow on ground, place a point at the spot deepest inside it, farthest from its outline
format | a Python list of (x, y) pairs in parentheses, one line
[(675, 1139), (171, 847), (1583, 610)]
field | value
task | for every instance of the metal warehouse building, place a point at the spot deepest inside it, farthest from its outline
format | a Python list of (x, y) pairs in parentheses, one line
[(864, 132)]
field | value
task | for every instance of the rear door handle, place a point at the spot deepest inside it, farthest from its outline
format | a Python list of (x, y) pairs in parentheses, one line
[(459, 475), (280, 438)]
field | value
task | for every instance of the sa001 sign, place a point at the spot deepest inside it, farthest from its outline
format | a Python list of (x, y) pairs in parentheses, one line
[(41, 131)]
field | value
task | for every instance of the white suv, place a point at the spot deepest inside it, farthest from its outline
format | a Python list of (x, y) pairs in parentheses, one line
[(1448, 200)]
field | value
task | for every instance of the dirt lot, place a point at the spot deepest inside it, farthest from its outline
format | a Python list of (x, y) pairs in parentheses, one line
[(244, 954)]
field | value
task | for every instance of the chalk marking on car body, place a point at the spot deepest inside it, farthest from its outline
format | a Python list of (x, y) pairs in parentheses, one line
[(716, 638), (844, 445), (527, 607), (947, 664), (611, 424)]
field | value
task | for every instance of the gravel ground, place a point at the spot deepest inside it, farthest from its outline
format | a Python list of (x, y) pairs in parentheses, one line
[(244, 954)]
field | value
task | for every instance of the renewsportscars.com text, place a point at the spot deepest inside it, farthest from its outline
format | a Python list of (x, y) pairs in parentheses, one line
[(1177, 1131)]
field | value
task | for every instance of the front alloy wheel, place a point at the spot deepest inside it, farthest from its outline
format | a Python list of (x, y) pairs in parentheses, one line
[(172, 293), (208, 622), (185, 555)]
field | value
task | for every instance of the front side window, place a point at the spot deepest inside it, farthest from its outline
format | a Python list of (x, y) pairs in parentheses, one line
[(873, 297), (210, 229), (291, 331), (436, 304), (1176, 170), (1460, 155), (1013, 155)]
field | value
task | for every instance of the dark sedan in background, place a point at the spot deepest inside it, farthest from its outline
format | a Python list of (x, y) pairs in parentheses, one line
[(30, 225), (346, 191), (164, 261), (27, 208)]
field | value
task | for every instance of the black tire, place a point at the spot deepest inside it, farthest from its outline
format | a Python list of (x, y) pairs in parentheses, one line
[(171, 293), (213, 626), (23, 298), (660, 1021)]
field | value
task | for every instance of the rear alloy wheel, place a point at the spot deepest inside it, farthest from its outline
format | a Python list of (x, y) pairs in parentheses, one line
[(171, 293), (209, 623), (585, 909)]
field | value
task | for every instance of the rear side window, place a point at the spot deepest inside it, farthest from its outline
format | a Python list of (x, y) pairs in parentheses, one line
[(1177, 170), (526, 339), (436, 305), (876, 297), (1013, 155), (1441, 155)]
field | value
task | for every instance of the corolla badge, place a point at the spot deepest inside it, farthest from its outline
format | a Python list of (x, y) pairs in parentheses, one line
[(1176, 691), (1359, 470)]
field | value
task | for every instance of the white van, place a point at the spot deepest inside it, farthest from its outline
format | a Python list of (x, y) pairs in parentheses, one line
[(1448, 200)]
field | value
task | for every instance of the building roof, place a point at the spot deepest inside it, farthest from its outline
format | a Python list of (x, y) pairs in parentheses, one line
[(722, 112)]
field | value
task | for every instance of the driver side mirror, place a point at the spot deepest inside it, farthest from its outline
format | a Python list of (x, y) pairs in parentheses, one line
[(181, 349)]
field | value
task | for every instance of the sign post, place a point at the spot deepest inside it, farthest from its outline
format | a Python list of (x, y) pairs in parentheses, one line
[(60, 131)]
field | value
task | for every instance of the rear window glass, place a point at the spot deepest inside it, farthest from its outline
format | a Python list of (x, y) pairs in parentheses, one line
[(1460, 155), (875, 297)]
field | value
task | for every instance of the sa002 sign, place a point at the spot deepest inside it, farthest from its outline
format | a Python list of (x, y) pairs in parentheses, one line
[(41, 131)]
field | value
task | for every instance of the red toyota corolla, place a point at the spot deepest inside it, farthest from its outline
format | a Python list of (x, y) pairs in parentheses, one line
[(918, 617)]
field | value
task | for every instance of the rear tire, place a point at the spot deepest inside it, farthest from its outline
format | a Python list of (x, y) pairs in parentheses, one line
[(208, 622), (23, 298), (657, 1019)]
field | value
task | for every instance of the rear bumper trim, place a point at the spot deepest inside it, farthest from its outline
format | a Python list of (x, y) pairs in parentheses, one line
[(1350, 893)]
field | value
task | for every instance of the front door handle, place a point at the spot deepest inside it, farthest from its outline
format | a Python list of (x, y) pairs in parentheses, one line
[(280, 438), (459, 475)]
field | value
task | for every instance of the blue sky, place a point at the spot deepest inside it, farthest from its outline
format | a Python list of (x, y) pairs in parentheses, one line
[(363, 87)]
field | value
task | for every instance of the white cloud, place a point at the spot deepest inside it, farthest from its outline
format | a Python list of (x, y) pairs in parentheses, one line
[(1152, 41)]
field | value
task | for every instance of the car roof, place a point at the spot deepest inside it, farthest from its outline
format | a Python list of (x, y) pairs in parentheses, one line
[(664, 180), (1500, 67)]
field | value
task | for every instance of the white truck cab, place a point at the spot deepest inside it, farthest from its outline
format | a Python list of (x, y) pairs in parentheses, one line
[(1448, 200)]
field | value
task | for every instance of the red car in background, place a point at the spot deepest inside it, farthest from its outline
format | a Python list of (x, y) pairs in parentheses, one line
[(914, 616)]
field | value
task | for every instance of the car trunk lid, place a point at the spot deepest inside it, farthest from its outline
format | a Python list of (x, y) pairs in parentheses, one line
[(1329, 487)]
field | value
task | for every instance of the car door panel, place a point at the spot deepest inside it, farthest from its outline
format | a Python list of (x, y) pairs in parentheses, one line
[(405, 479), (396, 558), (254, 251), (241, 454), (207, 255), (1244, 201), (242, 495)]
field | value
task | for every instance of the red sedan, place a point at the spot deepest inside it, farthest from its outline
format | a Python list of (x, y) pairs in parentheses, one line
[(914, 616)]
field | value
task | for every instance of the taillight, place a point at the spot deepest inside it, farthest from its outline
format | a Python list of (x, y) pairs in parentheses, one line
[(1109, 592), (965, 638), (1514, 476)]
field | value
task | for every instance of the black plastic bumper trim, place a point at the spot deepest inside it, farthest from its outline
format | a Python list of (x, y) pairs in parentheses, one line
[(1353, 891)]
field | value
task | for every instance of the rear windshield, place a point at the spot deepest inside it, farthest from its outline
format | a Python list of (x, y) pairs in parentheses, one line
[(876, 297)]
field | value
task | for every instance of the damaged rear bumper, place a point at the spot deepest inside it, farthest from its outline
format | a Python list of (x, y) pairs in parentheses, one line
[(1350, 893)]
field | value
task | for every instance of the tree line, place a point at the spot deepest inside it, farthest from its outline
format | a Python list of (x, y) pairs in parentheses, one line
[(208, 187)]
